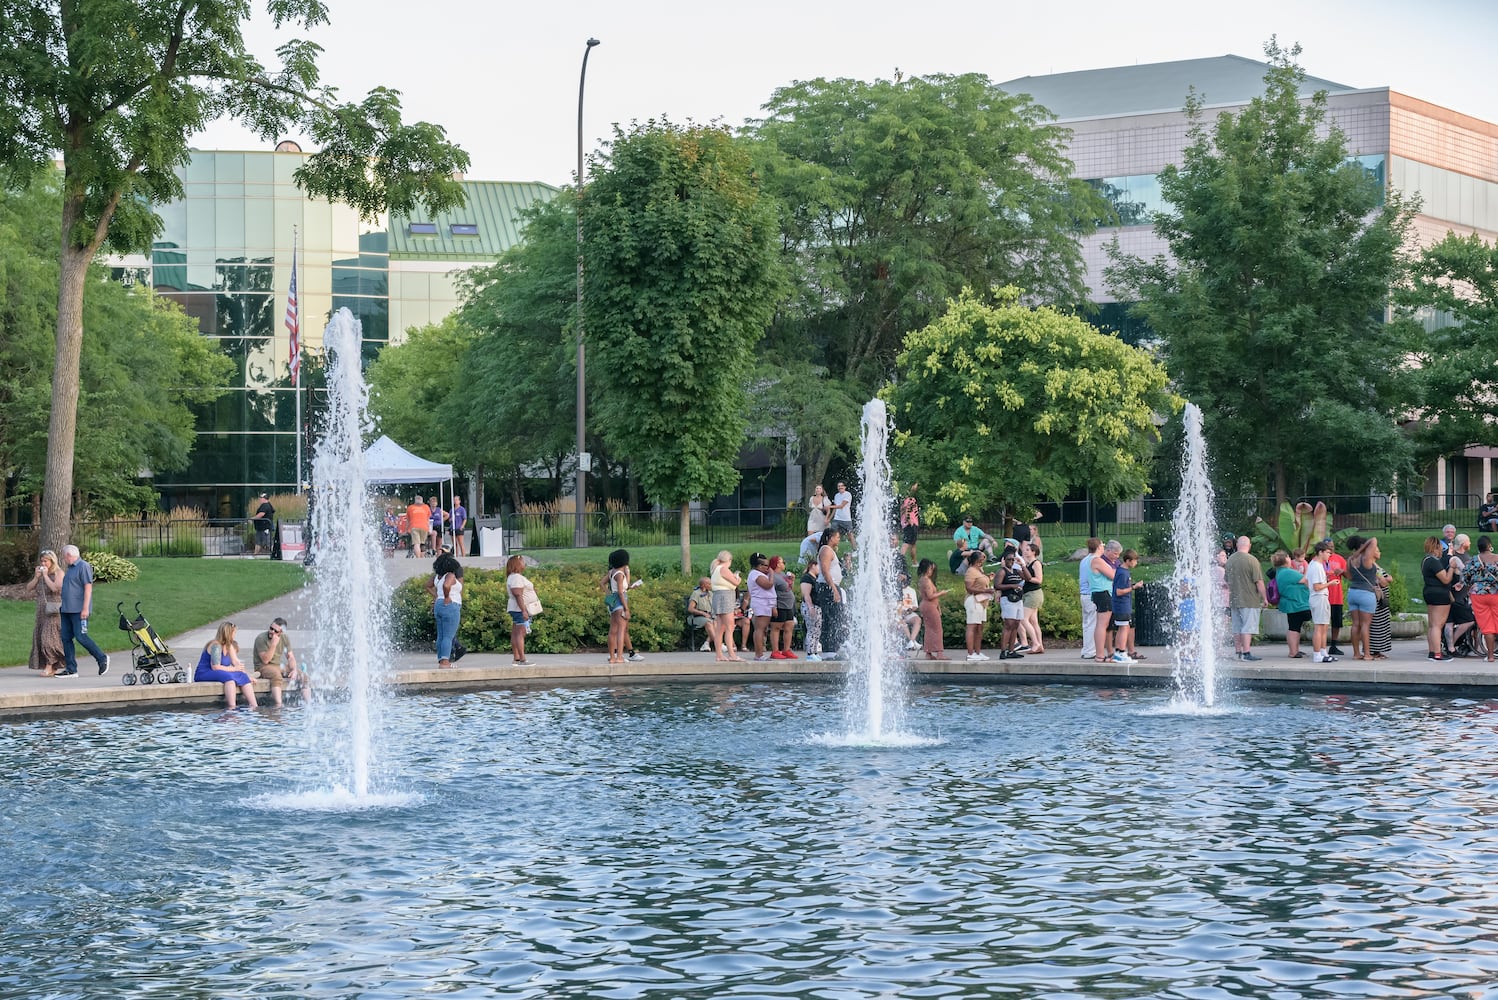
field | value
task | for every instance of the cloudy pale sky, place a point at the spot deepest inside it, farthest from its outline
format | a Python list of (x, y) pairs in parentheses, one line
[(502, 77)]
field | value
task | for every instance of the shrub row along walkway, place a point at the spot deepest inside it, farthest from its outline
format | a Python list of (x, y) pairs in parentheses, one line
[(23, 692)]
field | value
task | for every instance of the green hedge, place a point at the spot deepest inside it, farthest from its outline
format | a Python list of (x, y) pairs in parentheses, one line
[(575, 619)]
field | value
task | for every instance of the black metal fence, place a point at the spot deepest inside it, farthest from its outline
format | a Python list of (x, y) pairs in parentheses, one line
[(733, 526), (1376, 512)]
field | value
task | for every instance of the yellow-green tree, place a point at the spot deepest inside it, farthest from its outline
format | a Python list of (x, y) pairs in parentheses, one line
[(998, 405)]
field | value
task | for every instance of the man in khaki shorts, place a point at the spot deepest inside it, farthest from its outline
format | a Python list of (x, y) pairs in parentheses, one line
[(277, 663)]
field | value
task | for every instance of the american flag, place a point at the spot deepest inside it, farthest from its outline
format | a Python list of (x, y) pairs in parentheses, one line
[(292, 325)]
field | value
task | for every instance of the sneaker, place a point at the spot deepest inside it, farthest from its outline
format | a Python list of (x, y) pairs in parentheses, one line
[(1249, 657), (104, 667), (1012, 656), (68, 673), (634, 657), (1335, 650), (912, 644), (982, 656), (707, 646), (758, 659), (973, 657), (813, 658), (1122, 658), (1328, 659), (788, 655), (832, 655), (1436, 656), (1022, 647)]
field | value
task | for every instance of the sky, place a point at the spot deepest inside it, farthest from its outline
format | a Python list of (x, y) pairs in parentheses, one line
[(502, 78)]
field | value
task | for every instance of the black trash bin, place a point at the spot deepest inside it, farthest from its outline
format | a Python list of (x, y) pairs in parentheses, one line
[(1154, 614)]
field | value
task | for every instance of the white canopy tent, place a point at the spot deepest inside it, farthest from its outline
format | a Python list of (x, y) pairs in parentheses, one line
[(386, 462)]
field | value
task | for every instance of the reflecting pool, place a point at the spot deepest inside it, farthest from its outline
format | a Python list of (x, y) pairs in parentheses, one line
[(671, 841)]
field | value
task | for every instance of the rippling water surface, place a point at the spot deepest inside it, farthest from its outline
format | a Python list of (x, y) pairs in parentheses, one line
[(1046, 842)]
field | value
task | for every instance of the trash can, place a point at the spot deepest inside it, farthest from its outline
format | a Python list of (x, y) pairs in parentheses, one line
[(491, 537), (1154, 615)]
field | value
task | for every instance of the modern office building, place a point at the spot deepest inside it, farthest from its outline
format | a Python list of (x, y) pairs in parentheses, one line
[(1128, 123), (225, 256)]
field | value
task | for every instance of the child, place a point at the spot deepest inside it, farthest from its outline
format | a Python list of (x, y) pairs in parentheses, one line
[(1321, 602), (1123, 605)]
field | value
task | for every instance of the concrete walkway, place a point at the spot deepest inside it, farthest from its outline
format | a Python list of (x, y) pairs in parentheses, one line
[(24, 692)]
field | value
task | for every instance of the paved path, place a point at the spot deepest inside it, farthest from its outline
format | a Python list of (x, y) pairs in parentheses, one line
[(24, 692)]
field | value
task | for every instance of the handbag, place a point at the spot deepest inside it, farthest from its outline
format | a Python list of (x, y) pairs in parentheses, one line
[(52, 607), (530, 603)]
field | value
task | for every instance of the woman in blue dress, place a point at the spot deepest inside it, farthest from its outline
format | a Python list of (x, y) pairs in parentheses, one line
[(223, 650)]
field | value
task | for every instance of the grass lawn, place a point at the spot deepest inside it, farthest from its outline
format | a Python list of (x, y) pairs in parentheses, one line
[(175, 594)]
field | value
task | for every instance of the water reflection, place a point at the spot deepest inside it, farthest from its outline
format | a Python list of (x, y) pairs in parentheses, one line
[(691, 841)]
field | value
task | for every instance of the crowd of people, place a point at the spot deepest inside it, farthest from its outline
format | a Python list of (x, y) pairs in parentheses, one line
[(422, 529)]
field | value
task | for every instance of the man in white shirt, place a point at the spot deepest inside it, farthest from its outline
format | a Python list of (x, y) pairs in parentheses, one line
[(842, 510), (1089, 610)]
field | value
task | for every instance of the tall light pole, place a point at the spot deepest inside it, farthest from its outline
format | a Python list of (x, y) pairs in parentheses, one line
[(580, 532)]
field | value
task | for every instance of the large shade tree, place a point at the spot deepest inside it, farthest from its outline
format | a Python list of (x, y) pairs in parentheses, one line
[(1270, 306), (138, 376), (116, 90), (681, 279), (998, 406), (896, 194)]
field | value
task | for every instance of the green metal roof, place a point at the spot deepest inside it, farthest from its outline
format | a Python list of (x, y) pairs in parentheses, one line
[(1124, 90), (494, 207)]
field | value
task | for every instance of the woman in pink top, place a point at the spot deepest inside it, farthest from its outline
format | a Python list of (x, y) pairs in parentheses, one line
[(761, 601)]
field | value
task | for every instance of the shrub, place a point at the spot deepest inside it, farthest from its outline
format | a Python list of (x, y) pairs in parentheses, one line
[(574, 619), (1399, 591), (1155, 540), (110, 568), (18, 556)]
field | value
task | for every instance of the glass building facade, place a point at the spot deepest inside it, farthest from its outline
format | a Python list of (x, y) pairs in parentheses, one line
[(225, 256)]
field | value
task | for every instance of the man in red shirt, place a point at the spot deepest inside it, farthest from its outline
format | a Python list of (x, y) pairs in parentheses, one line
[(1336, 569)]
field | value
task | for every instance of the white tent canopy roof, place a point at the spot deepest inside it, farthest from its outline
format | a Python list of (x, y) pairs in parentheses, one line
[(387, 462)]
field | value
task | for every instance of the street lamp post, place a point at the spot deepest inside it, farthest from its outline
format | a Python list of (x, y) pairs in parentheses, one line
[(580, 531)]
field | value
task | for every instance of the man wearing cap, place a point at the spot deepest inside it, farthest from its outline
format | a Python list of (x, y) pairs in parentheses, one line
[(262, 522), (419, 517), (975, 537)]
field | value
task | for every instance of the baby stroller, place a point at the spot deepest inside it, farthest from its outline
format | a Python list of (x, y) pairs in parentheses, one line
[(152, 660)]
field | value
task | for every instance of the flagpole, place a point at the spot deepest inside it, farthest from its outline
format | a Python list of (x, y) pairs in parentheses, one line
[(293, 324)]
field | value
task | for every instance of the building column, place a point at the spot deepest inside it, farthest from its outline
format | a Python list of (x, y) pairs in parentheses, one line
[(1440, 484)]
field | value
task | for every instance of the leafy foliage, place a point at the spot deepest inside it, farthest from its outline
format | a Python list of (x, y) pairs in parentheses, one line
[(999, 406), (411, 383), (118, 88), (1457, 277), (895, 194), (141, 368), (680, 280), (1270, 306), (110, 568)]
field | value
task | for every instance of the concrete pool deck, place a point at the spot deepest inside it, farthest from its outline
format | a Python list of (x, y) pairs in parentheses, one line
[(25, 692)]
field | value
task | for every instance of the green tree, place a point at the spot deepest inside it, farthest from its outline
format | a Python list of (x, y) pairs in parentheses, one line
[(681, 279), (410, 385), (139, 375), (118, 88), (896, 194), (1458, 380), (794, 401), (1270, 306), (998, 406), (517, 399)]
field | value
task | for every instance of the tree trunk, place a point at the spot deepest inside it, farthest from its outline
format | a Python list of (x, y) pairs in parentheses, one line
[(62, 427), (1281, 489), (686, 539), (476, 492)]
